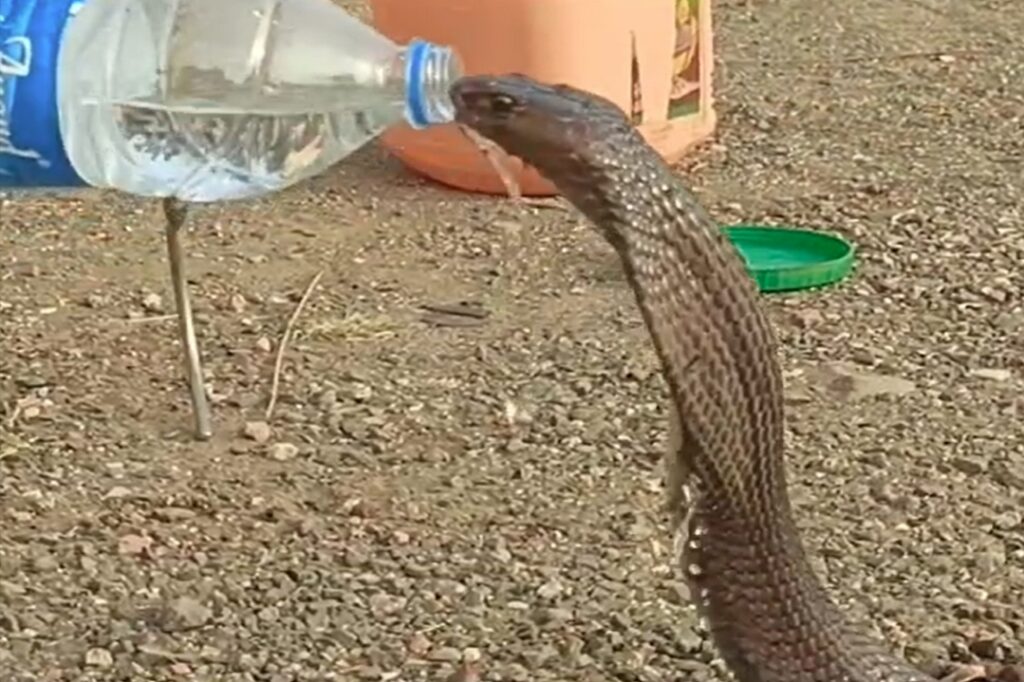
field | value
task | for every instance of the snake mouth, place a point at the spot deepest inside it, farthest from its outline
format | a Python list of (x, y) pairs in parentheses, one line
[(472, 96)]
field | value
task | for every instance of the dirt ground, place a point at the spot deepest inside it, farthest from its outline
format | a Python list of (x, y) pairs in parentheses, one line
[(436, 487)]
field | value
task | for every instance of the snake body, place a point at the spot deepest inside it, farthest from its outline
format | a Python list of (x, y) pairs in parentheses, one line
[(769, 615)]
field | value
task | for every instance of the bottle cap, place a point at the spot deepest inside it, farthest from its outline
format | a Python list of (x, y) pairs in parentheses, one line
[(788, 259), (429, 70)]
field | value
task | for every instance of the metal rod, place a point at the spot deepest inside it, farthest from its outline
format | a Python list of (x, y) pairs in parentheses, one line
[(176, 212)]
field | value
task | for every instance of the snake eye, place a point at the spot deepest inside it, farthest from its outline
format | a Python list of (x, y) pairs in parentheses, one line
[(502, 104)]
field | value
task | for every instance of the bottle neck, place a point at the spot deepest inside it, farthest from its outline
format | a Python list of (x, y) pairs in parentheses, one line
[(428, 71)]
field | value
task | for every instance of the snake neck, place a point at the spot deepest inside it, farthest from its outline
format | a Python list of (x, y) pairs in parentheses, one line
[(769, 614), (715, 344)]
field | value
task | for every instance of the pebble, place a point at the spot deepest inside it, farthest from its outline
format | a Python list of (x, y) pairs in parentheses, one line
[(689, 640), (992, 374), (1008, 520), (970, 465), (174, 514), (807, 318), (188, 613), (257, 431), (446, 654), (99, 658), (550, 590), (153, 303), (283, 452), (1010, 474), (181, 669), (418, 644), (133, 545), (237, 303)]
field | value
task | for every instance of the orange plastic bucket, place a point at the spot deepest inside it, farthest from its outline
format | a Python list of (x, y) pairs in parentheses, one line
[(651, 57)]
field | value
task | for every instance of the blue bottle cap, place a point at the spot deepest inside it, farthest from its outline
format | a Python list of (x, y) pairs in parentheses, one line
[(429, 70)]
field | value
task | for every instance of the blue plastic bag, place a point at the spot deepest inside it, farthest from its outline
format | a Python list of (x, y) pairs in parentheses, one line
[(31, 151)]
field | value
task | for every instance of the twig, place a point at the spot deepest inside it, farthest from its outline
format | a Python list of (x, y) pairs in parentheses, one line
[(153, 318), (860, 59), (279, 361), (919, 54), (548, 203)]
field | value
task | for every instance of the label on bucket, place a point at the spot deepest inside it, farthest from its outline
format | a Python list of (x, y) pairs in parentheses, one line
[(684, 99), (31, 151)]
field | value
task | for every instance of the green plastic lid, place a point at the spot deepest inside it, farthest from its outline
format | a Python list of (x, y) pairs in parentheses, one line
[(788, 259)]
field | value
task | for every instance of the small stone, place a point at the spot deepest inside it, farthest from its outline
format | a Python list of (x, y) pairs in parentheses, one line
[(327, 400), (264, 344), (1010, 322), (172, 514), (845, 382), (972, 466), (117, 493), (45, 563), (95, 300), (99, 658), (10, 590), (929, 656), (992, 374), (282, 452), (446, 654), (1009, 474), (679, 593), (31, 381), (863, 356), (133, 545), (190, 613), (1008, 520), (152, 303), (356, 556), (553, 615), (540, 657), (502, 554), (258, 431), (987, 648), (805, 319), (549, 590), (418, 644), (360, 392), (237, 303), (688, 640), (383, 605)]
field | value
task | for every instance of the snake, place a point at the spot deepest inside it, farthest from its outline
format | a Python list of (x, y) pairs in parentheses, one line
[(769, 615)]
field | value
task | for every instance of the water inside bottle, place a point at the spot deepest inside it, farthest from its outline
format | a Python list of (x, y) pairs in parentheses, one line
[(224, 150)]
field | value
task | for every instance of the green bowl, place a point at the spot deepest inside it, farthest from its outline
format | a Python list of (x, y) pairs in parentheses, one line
[(790, 259)]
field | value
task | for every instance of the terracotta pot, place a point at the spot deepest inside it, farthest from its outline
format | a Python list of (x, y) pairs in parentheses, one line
[(638, 53)]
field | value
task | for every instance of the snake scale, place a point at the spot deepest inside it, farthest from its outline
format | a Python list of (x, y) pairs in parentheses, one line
[(768, 613)]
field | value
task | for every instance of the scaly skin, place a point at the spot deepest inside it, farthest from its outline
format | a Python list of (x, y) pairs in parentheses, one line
[(770, 617)]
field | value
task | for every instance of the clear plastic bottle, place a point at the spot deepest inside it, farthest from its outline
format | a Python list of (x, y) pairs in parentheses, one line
[(204, 100)]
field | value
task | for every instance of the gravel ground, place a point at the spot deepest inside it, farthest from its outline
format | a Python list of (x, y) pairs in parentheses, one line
[(437, 487)]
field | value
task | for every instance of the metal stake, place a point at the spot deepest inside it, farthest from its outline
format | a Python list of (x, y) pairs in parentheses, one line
[(176, 212)]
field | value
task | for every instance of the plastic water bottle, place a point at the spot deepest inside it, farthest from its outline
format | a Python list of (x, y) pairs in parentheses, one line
[(203, 100)]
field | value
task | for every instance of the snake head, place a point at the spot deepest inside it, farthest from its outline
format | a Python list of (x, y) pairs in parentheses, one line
[(558, 129)]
